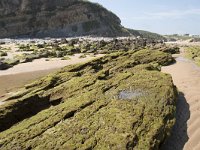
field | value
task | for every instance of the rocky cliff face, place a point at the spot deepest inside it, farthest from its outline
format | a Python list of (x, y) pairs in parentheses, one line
[(57, 18)]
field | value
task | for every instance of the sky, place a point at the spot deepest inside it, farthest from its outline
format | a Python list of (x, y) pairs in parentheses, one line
[(160, 16)]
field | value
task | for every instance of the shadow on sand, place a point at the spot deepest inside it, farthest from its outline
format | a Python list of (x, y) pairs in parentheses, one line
[(179, 134)]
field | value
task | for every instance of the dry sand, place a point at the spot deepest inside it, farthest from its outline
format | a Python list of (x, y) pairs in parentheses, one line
[(184, 43), (186, 132), (14, 78)]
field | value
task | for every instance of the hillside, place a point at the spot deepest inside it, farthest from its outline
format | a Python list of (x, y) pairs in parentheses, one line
[(146, 34), (61, 18), (151, 35), (57, 18), (176, 37)]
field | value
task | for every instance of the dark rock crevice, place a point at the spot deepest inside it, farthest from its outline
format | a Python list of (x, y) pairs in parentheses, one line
[(23, 109)]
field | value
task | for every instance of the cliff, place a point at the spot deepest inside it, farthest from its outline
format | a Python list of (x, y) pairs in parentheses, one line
[(57, 18)]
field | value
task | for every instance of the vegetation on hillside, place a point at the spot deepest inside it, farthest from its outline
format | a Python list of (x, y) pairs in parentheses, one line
[(146, 34), (178, 37), (151, 35)]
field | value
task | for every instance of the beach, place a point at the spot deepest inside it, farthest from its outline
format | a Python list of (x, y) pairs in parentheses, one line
[(16, 77), (186, 76)]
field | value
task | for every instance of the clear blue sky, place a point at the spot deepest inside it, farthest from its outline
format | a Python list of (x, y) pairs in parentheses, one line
[(161, 16)]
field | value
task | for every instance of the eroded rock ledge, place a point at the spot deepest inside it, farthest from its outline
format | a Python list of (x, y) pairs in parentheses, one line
[(81, 106)]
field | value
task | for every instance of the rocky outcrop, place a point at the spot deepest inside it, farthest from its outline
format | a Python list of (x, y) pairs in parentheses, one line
[(3, 66), (59, 48), (57, 18), (119, 101), (61, 18)]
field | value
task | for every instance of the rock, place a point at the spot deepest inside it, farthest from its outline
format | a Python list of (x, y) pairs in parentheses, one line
[(119, 101), (171, 50), (72, 42), (59, 54), (56, 18), (2, 53), (24, 60), (4, 66), (2, 43), (73, 51), (63, 41), (194, 40), (91, 51), (40, 45), (11, 62)]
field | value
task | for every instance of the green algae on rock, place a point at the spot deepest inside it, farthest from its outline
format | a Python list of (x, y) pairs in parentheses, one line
[(193, 52), (79, 107)]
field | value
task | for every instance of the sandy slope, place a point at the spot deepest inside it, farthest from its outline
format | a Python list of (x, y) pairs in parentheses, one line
[(186, 133)]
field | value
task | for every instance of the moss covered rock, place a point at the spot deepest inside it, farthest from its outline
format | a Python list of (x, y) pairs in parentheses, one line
[(2, 53), (119, 101), (193, 52)]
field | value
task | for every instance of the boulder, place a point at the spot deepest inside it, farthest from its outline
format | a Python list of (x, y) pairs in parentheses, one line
[(3, 66)]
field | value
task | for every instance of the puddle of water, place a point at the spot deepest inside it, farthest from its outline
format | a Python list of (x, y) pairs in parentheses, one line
[(130, 94)]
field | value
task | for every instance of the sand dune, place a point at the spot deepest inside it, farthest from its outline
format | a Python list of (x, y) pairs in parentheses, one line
[(186, 132)]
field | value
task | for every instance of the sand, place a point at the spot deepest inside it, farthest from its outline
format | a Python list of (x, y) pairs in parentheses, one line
[(184, 43), (14, 78), (42, 64), (186, 132), (12, 82)]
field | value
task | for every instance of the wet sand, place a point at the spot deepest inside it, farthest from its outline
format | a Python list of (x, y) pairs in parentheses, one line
[(186, 132), (16, 77), (12, 82)]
